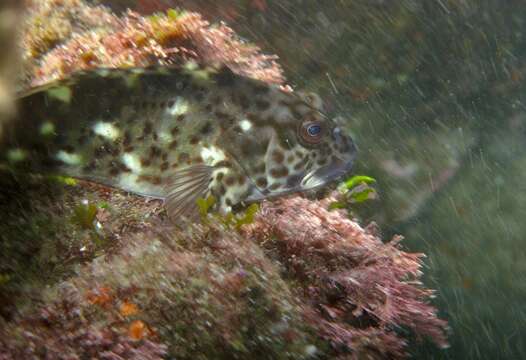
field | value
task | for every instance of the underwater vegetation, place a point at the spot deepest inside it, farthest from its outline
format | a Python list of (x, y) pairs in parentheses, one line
[(92, 272)]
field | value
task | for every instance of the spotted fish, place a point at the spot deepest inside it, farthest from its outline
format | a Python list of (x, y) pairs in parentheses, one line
[(179, 134)]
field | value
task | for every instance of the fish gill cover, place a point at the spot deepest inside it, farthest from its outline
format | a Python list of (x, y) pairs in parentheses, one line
[(87, 270)]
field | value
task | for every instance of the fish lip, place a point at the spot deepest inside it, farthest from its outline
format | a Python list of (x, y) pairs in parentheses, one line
[(329, 173)]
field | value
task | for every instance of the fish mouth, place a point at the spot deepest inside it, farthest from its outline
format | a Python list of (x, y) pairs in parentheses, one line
[(329, 173)]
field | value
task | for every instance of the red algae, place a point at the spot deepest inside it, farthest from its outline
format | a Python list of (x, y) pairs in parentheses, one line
[(356, 288), (134, 41)]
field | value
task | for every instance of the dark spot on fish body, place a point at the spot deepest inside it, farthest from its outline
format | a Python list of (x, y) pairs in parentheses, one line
[(279, 172), (299, 166), (274, 186), (129, 149), (321, 161), (114, 151), (219, 176), (199, 95), (257, 120), (206, 129), (277, 156), (164, 166), (180, 118), (261, 182), (223, 163), (294, 180), (197, 160), (114, 171), (148, 126), (81, 140), (124, 168), (230, 180), (225, 78), (260, 168), (155, 152), (194, 140), (173, 145), (164, 156), (241, 180), (216, 100), (126, 139), (155, 180), (155, 137), (90, 167), (244, 101), (145, 162), (174, 131), (100, 152), (183, 157), (221, 115), (262, 105), (247, 147), (260, 89), (68, 148), (237, 129), (285, 140)]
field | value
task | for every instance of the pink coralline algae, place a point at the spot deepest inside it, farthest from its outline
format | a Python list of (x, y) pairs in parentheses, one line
[(357, 290), (135, 41)]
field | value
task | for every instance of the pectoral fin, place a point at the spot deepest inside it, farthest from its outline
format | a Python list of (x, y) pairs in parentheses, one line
[(183, 190)]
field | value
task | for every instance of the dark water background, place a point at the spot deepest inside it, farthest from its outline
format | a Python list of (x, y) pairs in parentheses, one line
[(433, 93)]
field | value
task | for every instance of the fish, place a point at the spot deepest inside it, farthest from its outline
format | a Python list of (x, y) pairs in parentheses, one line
[(179, 134)]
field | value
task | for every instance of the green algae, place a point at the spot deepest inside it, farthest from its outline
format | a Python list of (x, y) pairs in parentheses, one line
[(230, 220)]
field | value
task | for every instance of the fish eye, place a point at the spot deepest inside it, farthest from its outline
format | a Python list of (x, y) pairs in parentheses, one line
[(311, 132), (314, 129)]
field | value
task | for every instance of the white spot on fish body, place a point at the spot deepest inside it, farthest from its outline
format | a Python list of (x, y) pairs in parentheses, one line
[(128, 181), (132, 162), (106, 130), (62, 93), (16, 155), (180, 107), (104, 72), (131, 80), (47, 128), (212, 155), (191, 66), (165, 137), (245, 125), (69, 158)]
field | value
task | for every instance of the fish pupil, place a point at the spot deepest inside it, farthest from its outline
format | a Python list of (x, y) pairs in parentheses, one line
[(314, 130)]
